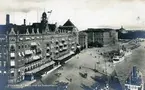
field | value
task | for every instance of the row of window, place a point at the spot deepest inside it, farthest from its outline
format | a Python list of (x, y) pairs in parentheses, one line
[(4, 72), (28, 38), (3, 64)]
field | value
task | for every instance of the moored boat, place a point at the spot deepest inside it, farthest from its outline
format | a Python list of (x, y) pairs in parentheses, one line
[(134, 80), (117, 59)]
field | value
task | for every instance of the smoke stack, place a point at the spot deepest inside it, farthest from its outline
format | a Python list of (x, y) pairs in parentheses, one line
[(24, 21), (7, 19)]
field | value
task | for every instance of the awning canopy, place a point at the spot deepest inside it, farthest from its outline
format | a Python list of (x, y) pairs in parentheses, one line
[(33, 38), (56, 40), (12, 54), (63, 39), (60, 44), (36, 57), (21, 38), (48, 47), (47, 54), (12, 63), (65, 56), (27, 38), (19, 54), (60, 49), (72, 47), (78, 46), (71, 52), (56, 51), (64, 48), (65, 43), (73, 42), (38, 37), (12, 71), (28, 52), (40, 68), (33, 43)]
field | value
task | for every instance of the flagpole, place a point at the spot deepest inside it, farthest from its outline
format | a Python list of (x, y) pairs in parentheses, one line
[(49, 14)]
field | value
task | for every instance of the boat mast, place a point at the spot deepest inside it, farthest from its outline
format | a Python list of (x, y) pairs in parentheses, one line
[(107, 82)]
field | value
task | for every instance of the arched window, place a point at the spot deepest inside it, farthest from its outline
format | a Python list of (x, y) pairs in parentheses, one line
[(12, 48)]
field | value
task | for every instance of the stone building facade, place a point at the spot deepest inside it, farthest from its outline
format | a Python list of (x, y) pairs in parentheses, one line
[(83, 40), (3, 61), (101, 36), (37, 48)]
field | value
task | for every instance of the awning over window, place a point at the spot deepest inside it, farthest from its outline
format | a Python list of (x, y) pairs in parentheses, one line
[(56, 51), (47, 54), (63, 39), (65, 56), (65, 43), (78, 46), (41, 67), (23, 54), (60, 49), (60, 44), (64, 48), (56, 40), (28, 52), (72, 47), (12, 71), (33, 38), (12, 55), (48, 47), (38, 37), (71, 52), (36, 57), (33, 43), (21, 38), (73, 42), (27, 38), (19, 54), (12, 63)]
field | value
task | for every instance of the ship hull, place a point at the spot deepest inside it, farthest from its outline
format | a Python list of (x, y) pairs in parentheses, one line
[(129, 85), (119, 60)]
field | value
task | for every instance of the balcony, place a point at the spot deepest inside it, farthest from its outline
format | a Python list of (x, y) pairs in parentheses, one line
[(28, 52), (40, 68)]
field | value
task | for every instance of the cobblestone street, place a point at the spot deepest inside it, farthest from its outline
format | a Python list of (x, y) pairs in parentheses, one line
[(84, 62)]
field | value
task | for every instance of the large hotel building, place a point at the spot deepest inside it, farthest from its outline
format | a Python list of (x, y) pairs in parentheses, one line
[(31, 50)]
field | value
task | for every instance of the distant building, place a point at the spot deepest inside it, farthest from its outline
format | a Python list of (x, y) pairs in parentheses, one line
[(101, 36), (83, 40), (37, 48), (130, 34)]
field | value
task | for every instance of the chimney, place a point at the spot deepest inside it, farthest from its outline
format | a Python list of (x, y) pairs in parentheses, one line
[(24, 21), (7, 19)]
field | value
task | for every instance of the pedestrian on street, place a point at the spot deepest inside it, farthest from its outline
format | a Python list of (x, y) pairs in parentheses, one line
[(70, 79), (80, 67)]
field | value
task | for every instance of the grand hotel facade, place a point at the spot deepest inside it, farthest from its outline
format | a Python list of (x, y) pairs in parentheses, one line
[(34, 49)]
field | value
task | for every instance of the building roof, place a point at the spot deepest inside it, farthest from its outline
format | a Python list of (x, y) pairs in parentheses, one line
[(98, 30), (68, 23), (5, 28), (66, 27), (22, 29)]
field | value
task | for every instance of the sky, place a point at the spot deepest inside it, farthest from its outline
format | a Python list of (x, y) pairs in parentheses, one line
[(83, 13)]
